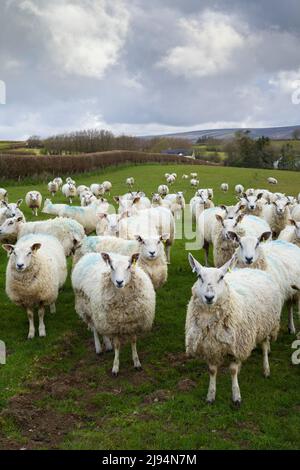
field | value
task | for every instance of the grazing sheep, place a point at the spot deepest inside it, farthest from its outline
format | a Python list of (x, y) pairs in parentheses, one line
[(193, 175), (194, 182), (130, 182), (69, 191), (52, 188), (115, 298), (229, 314), (152, 256), (86, 216), (33, 200), (35, 272), (224, 187), (67, 231), (239, 189), (279, 258), (272, 180), (177, 203), (107, 186), (163, 190), (3, 194), (185, 177), (291, 233), (277, 215), (97, 189)]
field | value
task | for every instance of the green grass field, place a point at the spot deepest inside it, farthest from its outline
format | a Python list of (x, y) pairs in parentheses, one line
[(55, 392)]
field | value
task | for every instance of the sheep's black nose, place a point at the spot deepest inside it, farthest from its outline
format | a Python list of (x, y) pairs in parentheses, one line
[(20, 265), (119, 283), (209, 298), (249, 259), (151, 253)]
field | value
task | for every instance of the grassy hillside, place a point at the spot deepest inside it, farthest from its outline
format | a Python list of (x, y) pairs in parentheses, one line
[(55, 392)]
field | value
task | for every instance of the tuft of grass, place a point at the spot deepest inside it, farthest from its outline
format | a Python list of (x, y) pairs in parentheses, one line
[(60, 381)]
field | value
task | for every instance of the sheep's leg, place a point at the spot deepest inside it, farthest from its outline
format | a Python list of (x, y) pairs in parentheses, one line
[(70, 200), (107, 344), (266, 349), (53, 308), (30, 315), (36, 212), (206, 252), (236, 394), (98, 347), (168, 251), (135, 357), (212, 388), (292, 329), (42, 328), (116, 364)]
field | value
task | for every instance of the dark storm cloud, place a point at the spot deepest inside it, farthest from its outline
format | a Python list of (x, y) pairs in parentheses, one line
[(143, 67)]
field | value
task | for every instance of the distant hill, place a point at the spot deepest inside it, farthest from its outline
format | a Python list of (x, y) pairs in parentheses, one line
[(275, 133)]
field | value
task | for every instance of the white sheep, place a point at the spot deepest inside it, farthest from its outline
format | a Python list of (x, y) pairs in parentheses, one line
[(108, 224), (3, 194), (58, 180), (277, 215), (157, 201), (67, 231), (291, 233), (171, 180), (107, 186), (115, 298), (177, 203), (52, 188), (224, 187), (133, 204), (295, 212), (81, 189), (253, 205), (97, 189), (130, 182), (152, 256), (69, 191), (194, 182), (10, 210), (87, 198), (272, 180), (163, 189), (279, 258), (33, 200), (199, 203), (86, 216), (185, 177), (35, 272), (193, 175), (228, 315), (69, 180), (239, 189)]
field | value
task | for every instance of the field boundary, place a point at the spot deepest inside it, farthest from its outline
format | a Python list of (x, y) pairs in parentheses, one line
[(18, 167)]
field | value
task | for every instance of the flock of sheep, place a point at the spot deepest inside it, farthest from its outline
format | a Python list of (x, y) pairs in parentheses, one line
[(235, 305)]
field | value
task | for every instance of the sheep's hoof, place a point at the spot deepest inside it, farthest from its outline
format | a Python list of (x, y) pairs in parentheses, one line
[(267, 374), (114, 374), (108, 350), (237, 403), (292, 331), (99, 353), (30, 336), (138, 368), (42, 334), (210, 401)]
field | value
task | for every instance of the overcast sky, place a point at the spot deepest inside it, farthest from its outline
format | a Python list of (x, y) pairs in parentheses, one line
[(144, 67)]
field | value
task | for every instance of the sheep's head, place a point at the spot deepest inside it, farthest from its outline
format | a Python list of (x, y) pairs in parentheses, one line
[(251, 201), (20, 256), (231, 212), (297, 227), (210, 286), (121, 268), (156, 198), (248, 250), (109, 223), (229, 225), (152, 247), (34, 196), (281, 206), (10, 226)]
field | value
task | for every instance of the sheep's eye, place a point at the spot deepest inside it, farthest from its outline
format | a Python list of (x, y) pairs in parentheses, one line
[(257, 245), (29, 253), (221, 278), (200, 277)]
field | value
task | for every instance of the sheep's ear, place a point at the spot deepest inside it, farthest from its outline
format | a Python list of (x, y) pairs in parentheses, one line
[(195, 265), (234, 236), (19, 202), (265, 236), (8, 248), (220, 219), (124, 215), (293, 222), (164, 236), (134, 258), (259, 196), (136, 199), (19, 219), (244, 195), (225, 268), (239, 218), (139, 238), (242, 207), (106, 258), (102, 215), (4, 203), (222, 206), (295, 287), (35, 247), (117, 198)]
